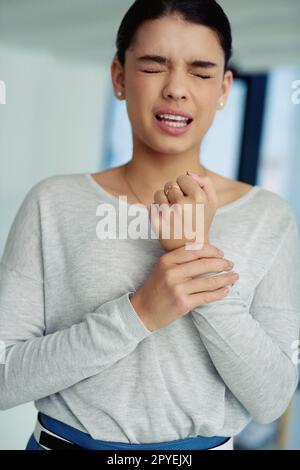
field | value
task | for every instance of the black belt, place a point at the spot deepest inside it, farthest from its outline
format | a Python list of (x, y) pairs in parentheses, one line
[(50, 441)]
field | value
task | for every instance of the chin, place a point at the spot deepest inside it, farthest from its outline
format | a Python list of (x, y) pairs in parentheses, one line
[(167, 145), (171, 148)]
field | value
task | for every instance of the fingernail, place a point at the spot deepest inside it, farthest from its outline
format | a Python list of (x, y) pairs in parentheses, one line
[(194, 174), (221, 252)]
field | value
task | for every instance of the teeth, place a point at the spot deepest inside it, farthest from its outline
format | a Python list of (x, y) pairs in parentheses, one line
[(172, 117), (175, 124)]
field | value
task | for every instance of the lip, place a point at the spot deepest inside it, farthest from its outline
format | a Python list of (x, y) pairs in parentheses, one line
[(174, 112), (171, 130), (168, 129)]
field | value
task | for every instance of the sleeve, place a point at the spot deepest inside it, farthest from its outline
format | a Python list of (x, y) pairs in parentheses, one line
[(254, 352), (34, 365)]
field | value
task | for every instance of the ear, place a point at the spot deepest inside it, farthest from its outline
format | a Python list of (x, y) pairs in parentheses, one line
[(225, 88), (118, 78)]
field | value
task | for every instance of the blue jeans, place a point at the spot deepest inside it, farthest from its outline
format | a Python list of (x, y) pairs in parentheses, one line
[(32, 444), (85, 441)]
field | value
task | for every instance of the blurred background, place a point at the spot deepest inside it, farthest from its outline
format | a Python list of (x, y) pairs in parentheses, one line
[(58, 115)]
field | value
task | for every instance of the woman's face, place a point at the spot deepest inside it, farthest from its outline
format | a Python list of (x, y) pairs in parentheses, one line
[(172, 80)]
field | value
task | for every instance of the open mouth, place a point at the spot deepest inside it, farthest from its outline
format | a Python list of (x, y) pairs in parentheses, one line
[(173, 121)]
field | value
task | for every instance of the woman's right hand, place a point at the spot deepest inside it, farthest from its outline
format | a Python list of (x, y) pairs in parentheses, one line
[(171, 290)]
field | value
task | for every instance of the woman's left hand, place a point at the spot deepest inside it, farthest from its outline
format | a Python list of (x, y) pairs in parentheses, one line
[(186, 193)]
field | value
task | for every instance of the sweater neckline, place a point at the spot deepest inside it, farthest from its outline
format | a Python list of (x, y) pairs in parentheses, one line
[(227, 207)]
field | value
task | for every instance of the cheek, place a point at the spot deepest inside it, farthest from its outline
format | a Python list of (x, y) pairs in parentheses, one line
[(134, 89), (205, 110), (207, 101), (207, 96), (209, 119), (141, 90), (141, 97)]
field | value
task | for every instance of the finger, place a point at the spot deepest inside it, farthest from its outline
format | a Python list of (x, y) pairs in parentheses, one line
[(173, 192), (182, 255), (212, 283), (160, 197), (154, 218), (202, 266), (162, 204), (207, 186), (160, 210), (195, 300), (190, 187)]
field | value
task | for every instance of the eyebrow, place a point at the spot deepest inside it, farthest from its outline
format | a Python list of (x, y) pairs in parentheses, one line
[(205, 64)]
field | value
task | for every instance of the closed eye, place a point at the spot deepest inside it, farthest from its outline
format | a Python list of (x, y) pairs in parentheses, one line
[(152, 71), (204, 77)]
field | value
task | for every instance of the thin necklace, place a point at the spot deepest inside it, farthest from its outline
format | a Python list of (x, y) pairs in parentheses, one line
[(129, 185)]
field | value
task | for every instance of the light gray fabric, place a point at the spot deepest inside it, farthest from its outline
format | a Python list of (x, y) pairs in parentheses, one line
[(76, 346)]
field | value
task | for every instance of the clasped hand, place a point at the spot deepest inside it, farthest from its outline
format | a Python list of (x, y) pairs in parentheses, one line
[(184, 209)]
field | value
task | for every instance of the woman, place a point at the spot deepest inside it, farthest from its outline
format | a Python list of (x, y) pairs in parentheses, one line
[(135, 343)]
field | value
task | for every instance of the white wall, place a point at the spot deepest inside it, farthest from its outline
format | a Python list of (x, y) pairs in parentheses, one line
[(52, 123)]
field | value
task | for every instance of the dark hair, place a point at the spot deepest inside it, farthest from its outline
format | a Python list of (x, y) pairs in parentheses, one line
[(204, 12)]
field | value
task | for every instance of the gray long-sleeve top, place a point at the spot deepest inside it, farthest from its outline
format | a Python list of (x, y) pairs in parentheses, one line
[(78, 349)]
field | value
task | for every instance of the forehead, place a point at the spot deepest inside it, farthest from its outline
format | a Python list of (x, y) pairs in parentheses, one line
[(172, 36)]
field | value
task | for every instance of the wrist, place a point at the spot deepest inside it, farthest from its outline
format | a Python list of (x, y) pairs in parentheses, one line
[(140, 310)]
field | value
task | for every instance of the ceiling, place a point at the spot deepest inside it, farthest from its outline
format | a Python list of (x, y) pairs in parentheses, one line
[(266, 33)]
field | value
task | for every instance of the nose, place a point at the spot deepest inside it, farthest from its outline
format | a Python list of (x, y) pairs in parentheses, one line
[(175, 88), (176, 97)]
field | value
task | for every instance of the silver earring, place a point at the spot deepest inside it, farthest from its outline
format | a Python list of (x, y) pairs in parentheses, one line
[(221, 104), (119, 94)]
